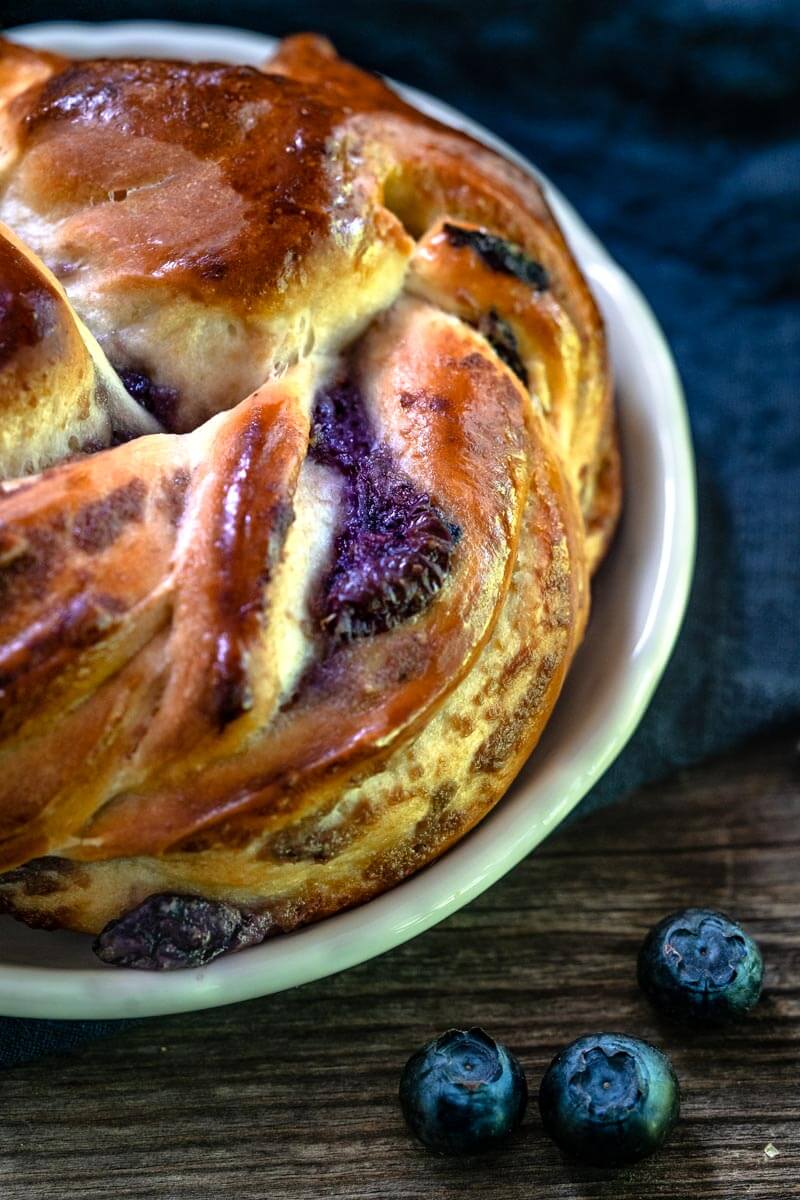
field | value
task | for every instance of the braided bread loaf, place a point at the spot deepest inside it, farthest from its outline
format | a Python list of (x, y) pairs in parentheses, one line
[(308, 452)]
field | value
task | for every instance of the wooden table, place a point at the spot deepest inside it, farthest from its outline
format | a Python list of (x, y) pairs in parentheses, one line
[(294, 1096)]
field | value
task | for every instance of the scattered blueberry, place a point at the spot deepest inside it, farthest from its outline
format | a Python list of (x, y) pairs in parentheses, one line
[(607, 1099), (463, 1093), (701, 966)]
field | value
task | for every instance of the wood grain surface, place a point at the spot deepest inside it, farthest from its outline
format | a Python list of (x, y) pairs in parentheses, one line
[(294, 1096)]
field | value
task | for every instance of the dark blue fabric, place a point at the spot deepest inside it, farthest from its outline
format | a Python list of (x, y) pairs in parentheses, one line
[(674, 127)]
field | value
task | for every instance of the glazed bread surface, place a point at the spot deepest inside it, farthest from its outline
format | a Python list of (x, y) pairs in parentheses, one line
[(308, 453)]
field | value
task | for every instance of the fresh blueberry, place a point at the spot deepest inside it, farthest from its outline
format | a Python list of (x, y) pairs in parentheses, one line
[(463, 1093), (699, 965), (608, 1099)]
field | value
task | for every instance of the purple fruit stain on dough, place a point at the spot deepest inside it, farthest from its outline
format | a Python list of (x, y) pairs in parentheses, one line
[(168, 932), (394, 548)]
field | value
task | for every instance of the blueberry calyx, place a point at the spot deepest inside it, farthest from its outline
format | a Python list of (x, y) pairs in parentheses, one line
[(608, 1083), (608, 1099), (463, 1093), (699, 965)]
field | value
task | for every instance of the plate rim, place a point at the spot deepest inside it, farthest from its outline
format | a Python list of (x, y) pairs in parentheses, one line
[(348, 938)]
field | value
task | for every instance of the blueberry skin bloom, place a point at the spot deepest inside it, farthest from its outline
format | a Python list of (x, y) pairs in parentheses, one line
[(607, 1099), (698, 965), (463, 1093)]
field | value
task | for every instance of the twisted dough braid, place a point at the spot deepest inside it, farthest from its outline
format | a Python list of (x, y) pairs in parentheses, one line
[(295, 543)]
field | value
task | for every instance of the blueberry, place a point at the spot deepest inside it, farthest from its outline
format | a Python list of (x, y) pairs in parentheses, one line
[(699, 965), (463, 1093), (608, 1099)]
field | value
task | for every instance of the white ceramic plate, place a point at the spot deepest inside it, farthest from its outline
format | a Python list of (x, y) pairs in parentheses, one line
[(638, 608)]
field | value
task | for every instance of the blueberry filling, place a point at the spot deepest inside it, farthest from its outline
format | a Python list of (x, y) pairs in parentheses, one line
[(500, 337), (158, 400), (394, 548), (340, 433), (167, 932), (499, 255)]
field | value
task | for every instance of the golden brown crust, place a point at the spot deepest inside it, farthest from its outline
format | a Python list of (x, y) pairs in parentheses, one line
[(58, 396), (173, 716)]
